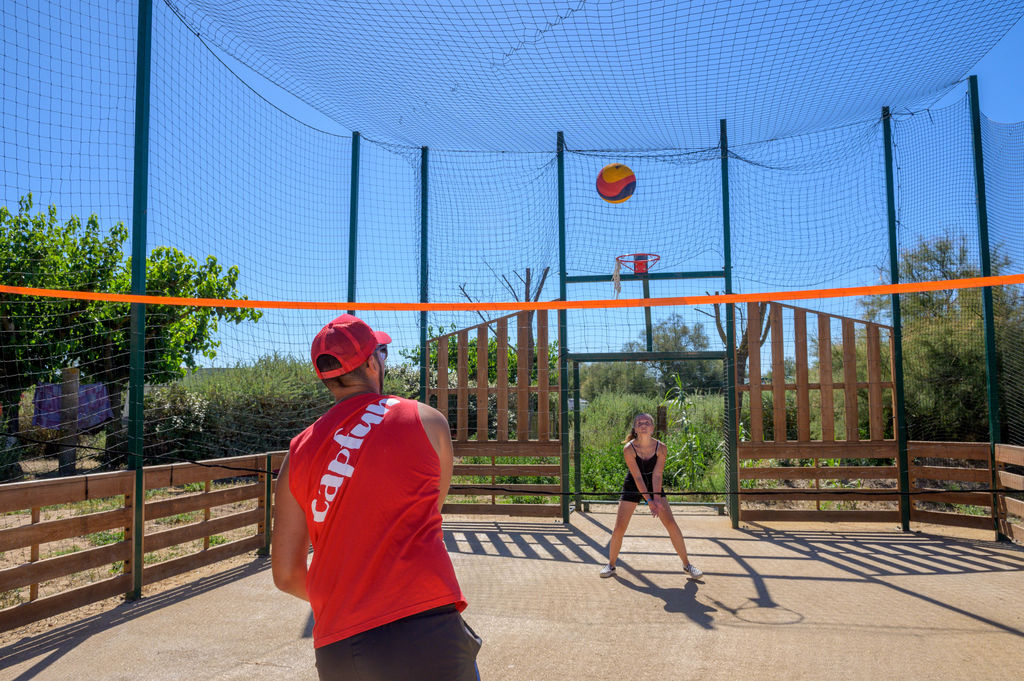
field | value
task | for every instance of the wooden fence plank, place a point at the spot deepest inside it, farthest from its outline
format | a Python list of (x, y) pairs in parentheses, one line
[(543, 378), (462, 387), (523, 343), (769, 515), (850, 379), (194, 561), (197, 502), (822, 450), (482, 380), (790, 494), (60, 566), (1010, 454), (517, 510), (1013, 506), (778, 374), (502, 379), (955, 519), (1010, 480), (821, 472), (508, 470), (803, 397), (828, 410), (934, 495), (1013, 531), (21, 496), (506, 490), (55, 530), (442, 379), (510, 448), (754, 375), (971, 451), (200, 530), (875, 420), (949, 473), (23, 614)]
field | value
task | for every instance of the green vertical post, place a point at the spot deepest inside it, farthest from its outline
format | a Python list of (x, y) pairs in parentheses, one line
[(353, 220), (732, 457), (424, 262), (991, 374), (577, 457), (563, 346), (902, 458), (137, 341)]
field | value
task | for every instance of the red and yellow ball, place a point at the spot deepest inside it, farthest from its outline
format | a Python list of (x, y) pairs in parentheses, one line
[(615, 183)]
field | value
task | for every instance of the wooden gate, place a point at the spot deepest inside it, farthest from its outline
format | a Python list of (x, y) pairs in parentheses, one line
[(502, 406), (818, 429)]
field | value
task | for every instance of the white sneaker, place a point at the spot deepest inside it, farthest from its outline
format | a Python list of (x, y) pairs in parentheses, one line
[(608, 571), (693, 571)]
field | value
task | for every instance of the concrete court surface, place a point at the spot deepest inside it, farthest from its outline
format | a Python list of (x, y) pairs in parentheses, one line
[(789, 602)]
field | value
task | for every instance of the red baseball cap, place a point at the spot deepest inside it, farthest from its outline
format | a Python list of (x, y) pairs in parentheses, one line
[(349, 340)]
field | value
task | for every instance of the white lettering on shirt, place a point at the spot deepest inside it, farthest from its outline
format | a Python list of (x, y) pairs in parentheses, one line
[(338, 468)]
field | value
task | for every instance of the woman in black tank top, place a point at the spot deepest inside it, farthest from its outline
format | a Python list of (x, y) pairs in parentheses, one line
[(645, 459)]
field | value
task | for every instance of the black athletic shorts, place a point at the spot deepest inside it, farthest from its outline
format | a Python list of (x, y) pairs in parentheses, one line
[(434, 645), (631, 493)]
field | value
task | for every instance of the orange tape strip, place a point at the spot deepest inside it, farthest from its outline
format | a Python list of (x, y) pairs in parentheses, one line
[(775, 296)]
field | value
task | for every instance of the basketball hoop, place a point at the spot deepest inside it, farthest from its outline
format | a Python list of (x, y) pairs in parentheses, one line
[(638, 263)]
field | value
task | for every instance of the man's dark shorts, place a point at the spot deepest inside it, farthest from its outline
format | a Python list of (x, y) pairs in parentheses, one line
[(435, 645)]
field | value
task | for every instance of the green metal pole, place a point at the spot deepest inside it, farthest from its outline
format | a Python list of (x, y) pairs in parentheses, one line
[(137, 342), (991, 374), (424, 262), (563, 346), (353, 220), (731, 417), (577, 457), (902, 458)]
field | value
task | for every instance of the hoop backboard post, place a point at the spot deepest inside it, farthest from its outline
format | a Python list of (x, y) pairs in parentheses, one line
[(641, 263)]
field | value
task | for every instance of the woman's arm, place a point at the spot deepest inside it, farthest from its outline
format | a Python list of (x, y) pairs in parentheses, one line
[(659, 470)]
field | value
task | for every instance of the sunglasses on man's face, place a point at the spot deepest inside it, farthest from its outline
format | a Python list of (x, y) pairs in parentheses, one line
[(382, 350)]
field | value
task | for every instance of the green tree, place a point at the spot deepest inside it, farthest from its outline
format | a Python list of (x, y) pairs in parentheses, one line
[(944, 341), (673, 334), (39, 336), (599, 378)]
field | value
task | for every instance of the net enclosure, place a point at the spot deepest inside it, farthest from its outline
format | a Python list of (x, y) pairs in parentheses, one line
[(446, 153)]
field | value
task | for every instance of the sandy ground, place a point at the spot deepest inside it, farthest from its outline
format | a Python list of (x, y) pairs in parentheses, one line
[(787, 602)]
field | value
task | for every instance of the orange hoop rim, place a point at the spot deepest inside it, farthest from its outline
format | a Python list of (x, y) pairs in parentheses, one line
[(638, 263)]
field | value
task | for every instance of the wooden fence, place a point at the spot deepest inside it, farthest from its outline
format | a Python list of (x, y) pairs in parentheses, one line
[(820, 442), (1010, 475), (503, 413), (795, 464), (68, 542)]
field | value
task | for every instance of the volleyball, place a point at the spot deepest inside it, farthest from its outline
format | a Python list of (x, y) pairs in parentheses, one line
[(615, 183)]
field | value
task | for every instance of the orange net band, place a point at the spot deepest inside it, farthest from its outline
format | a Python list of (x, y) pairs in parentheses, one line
[(772, 296)]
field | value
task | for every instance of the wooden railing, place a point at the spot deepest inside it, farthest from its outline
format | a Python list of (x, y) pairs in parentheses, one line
[(942, 470), (57, 536), (1010, 475), (799, 470), (807, 430), (514, 430)]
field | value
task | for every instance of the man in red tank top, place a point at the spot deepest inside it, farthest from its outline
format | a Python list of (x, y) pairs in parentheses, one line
[(364, 486)]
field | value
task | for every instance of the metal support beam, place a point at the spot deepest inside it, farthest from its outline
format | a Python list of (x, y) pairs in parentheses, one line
[(903, 460)]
